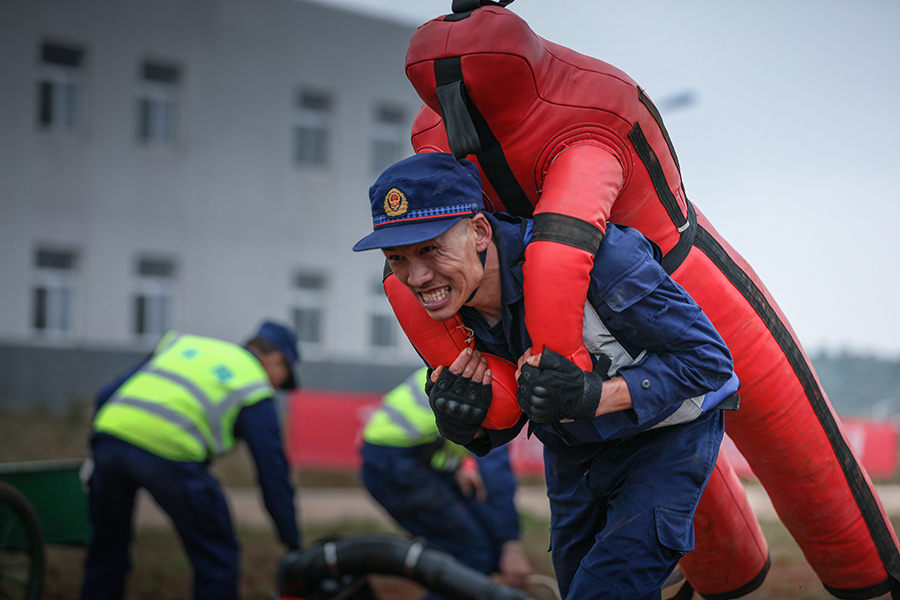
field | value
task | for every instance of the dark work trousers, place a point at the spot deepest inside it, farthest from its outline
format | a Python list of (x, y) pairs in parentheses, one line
[(186, 491), (428, 504), (621, 521)]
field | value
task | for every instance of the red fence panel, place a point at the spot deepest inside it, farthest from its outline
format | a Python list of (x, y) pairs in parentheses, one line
[(324, 432)]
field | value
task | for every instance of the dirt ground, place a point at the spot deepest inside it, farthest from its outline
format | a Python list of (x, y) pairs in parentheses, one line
[(330, 504), (790, 578), (335, 505)]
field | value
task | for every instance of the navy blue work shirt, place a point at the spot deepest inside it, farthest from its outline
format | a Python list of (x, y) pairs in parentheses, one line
[(674, 352)]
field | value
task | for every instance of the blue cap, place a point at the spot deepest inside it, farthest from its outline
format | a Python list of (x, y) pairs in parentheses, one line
[(419, 198), (284, 340)]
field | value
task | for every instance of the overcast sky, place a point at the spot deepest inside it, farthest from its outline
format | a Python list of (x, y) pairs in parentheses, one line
[(790, 145)]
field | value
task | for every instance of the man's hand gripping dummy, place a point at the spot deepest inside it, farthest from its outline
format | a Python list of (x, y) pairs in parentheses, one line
[(557, 389), (460, 396)]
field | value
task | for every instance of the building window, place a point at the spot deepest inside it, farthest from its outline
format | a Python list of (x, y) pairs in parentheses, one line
[(308, 308), (60, 89), (390, 138), (154, 297), (312, 129), (157, 105), (384, 330), (54, 294)]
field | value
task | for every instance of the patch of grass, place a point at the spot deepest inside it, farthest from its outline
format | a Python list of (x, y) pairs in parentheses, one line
[(43, 435)]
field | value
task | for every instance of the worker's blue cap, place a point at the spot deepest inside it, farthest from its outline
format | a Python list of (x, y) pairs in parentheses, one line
[(284, 340), (419, 198)]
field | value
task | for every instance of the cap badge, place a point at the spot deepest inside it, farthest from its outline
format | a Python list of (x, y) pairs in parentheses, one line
[(395, 203)]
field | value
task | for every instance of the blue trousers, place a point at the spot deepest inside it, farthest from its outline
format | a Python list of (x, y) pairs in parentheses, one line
[(428, 504), (621, 520), (186, 491)]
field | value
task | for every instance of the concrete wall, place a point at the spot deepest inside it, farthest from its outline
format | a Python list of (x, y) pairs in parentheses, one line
[(61, 379), (228, 204)]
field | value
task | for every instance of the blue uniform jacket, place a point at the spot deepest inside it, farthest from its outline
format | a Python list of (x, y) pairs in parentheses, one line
[(644, 324), (259, 426)]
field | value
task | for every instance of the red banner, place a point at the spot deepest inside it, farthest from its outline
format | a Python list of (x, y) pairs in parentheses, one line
[(324, 432)]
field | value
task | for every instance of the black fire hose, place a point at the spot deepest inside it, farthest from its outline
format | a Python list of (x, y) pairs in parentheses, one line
[(300, 572)]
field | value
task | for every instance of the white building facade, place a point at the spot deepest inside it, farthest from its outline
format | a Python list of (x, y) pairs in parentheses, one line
[(199, 166)]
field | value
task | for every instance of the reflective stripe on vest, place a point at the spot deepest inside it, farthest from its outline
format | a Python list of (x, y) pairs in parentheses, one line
[(219, 364), (415, 386), (214, 412), (392, 423)]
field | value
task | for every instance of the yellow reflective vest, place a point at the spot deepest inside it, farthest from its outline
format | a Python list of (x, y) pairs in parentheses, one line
[(182, 404), (404, 420)]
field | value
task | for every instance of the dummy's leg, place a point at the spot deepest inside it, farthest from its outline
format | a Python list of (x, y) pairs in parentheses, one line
[(730, 558), (788, 431)]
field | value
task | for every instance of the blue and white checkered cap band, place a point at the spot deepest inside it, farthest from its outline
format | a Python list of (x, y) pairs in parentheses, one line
[(440, 212)]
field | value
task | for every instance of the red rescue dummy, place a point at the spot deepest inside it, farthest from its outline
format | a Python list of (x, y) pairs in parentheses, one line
[(576, 143)]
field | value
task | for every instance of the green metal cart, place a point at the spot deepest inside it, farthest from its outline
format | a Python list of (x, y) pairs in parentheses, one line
[(41, 502)]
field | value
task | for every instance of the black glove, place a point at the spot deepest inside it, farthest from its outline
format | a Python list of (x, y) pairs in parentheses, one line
[(429, 384), (558, 389), (459, 406)]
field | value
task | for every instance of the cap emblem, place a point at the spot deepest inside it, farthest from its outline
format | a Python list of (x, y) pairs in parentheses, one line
[(395, 203)]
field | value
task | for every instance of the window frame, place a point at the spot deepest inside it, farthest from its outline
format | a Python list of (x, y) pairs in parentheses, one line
[(315, 123), (156, 291), (159, 103), (379, 308), (309, 296), (389, 129), (61, 90), (55, 294)]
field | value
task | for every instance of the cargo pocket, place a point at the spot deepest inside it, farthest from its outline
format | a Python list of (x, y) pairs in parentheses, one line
[(675, 529)]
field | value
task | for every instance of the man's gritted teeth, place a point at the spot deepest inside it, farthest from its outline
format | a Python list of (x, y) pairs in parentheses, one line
[(435, 296)]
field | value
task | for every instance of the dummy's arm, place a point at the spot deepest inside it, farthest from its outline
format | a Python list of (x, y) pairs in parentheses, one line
[(440, 342), (580, 188)]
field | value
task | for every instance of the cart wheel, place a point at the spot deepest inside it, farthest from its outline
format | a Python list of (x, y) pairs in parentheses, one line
[(21, 547)]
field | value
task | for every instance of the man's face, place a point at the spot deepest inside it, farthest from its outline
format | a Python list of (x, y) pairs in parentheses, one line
[(276, 367), (442, 273)]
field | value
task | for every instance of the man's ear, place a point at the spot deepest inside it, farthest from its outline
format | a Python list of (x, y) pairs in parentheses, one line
[(483, 231)]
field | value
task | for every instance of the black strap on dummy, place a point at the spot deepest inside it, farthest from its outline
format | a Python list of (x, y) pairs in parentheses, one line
[(686, 224), (461, 118), (461, 132), (657, 176), (462, 6), (654, 112), (674, 257), (563, 229)]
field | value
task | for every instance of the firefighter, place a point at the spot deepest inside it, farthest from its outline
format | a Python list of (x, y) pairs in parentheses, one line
[(628, 446), (436, 491), (160, 426)]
